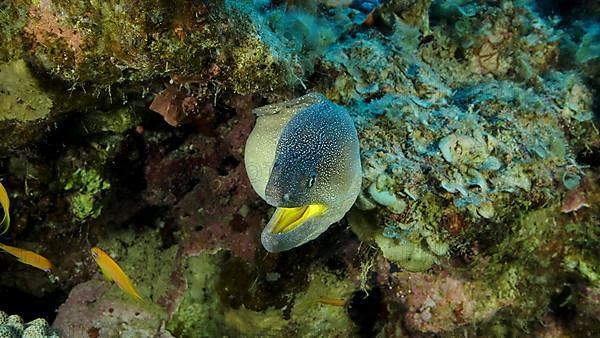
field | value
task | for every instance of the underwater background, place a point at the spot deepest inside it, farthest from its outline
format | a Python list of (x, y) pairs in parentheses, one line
[(124, 125)]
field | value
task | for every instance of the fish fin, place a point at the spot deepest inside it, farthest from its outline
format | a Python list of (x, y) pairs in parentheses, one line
[(3, 247), (5, 201), (106, 274), (5, 224), (138, 298), (130, 290)]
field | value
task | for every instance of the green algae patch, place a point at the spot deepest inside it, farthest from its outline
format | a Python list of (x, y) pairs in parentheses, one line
[(248, 323), (21, 97), (410, 256), (200, 313), (587, 267), (115, 121), (319, 311), (87, 185), (25, 107), (144, 261)]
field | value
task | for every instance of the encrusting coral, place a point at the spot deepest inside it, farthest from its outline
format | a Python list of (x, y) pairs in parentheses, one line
[(13, 326), (477, 127)]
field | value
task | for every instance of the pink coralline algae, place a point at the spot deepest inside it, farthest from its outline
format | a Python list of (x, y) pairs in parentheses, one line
[(212, 202), (207, 171), (89, 313), (44, 26), (441, 303), (447, 306)]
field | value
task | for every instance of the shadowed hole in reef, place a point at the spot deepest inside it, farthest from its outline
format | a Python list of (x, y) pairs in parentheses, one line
[(566, 8), (227, 164), (562, 306), (29, 307), (146, 218), (364, 310), (237, 223), (268, 282), (589, 157)]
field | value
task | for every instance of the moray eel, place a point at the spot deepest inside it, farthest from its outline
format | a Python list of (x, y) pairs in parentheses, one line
[(303, 158)]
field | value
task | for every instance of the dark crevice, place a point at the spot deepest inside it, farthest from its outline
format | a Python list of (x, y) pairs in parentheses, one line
[(364, 310), (30, 307), (589, 157), (227, 164), (561, 306)]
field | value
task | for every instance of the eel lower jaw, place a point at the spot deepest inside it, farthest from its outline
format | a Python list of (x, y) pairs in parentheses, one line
[(288, 219)]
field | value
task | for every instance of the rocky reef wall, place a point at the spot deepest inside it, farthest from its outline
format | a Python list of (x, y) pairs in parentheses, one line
[(124, 126)]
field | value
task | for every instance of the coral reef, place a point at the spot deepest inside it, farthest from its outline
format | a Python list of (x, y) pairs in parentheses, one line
[(139, 42), (124, 125), (486, 148)]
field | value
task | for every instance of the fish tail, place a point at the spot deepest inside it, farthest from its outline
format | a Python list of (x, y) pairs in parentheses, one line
[(5, 224), (138, 298), (130, 290), (134, 294), (5, 202), (8, 249)]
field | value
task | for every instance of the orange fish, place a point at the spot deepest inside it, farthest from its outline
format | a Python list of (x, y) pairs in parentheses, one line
[(113, 272), (5, 224), (332, 301), (29, 257)]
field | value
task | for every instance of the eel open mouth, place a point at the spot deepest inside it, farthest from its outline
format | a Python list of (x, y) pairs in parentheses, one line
[(288, 219)]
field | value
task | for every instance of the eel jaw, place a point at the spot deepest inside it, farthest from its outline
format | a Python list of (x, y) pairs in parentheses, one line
[(288, 219)]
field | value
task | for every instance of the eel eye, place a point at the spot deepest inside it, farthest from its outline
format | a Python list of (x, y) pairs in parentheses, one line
[(312, 179)]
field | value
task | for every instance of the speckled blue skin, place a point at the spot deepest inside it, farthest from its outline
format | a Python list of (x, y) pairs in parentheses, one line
[(365, 6), (316, 161)]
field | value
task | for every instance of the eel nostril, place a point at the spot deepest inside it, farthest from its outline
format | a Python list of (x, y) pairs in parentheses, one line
[(286, 197)]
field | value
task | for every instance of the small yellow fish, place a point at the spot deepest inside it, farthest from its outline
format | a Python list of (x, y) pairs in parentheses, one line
[(113, 272), (5, 224), (332, 301), (29, 257)]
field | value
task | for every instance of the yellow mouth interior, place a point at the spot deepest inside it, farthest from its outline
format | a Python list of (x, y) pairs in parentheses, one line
[(288, 219)]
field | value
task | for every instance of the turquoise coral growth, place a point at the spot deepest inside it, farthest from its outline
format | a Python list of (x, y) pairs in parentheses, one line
[(478, 208), (13, 326)]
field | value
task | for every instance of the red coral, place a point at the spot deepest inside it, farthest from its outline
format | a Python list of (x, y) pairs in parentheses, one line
[(178, 108)]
